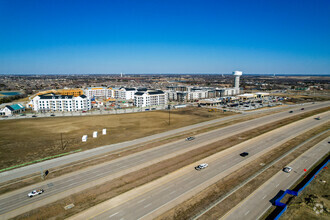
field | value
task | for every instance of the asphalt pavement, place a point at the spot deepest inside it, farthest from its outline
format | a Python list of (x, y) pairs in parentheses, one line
[(38, 167), (152, 199), (259, 202)]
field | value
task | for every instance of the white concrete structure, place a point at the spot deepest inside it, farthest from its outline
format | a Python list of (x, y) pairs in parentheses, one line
[(95, 134), (237, 75), (52, 102), (150, 98), (104, 131)]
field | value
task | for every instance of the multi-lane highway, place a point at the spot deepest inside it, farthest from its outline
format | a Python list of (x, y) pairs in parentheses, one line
[(152, 199), (36, 168), (259, 201), (17, 202)]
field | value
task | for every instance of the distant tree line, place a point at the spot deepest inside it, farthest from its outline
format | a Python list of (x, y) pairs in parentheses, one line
[(8, 99)]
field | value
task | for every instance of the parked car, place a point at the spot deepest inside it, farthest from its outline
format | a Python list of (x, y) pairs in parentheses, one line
[(290, 111), (35, 192), (52, 115), (190, 138), (34, 116), (201, 166), (153, 109), (22, 114), (84, 111), (287, 169), (244, 154), (146, 109), (302, 108)]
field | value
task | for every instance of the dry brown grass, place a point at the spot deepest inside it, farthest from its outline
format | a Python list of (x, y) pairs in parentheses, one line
[(301, 207), (30, 139), (201, 201), (120, 185)]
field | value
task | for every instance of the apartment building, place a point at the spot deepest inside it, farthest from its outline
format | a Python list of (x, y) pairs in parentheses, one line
[(149, 98), (52, 102), (99, 92)]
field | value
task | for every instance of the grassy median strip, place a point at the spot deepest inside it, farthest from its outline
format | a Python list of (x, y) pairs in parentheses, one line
[(201, 201), (110, 189)]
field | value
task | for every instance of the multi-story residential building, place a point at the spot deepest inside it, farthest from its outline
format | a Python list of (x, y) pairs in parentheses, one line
[(149, 98), (124, 93), (52, 102), (99, 92)]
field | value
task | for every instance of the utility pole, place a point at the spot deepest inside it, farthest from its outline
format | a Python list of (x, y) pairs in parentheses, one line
[(169, 114)]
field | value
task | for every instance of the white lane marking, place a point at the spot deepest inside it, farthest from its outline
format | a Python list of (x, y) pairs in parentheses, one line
[(141, 200), (264, 197), (147, 205), (277, 185), (113, 214), (247, 212)]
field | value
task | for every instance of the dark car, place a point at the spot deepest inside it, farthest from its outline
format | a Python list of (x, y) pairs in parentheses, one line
[(52, 115), (244, 154), (190, 138), (22, 114), (290, 111), (302, 109), (34, 116)]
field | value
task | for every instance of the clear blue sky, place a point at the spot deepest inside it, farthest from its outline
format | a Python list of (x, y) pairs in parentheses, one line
[(165, 36)]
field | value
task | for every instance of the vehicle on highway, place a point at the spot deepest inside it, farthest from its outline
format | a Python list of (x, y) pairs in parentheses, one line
[(201, 166), (36, 192), (302, 108), (290, 111), (318, 118), (287, 169), (244, 154), (190, 138), (34, 116)]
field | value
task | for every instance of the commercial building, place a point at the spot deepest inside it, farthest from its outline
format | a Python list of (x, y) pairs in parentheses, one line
[(12, 109)]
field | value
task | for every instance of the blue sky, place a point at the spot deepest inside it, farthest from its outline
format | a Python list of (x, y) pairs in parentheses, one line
[(165, 36)]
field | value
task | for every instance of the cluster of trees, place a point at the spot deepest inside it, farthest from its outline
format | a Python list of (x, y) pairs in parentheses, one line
[(8, 99)]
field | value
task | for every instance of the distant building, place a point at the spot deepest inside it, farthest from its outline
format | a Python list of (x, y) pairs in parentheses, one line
[(149, 98), (99, 92), (52, 102), (12, 109)]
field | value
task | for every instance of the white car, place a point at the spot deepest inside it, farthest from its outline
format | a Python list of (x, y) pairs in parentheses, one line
[(287, 169), (35, 192), (201, 166)]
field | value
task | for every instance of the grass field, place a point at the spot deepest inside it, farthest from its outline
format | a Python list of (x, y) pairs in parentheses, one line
[(30, 139)]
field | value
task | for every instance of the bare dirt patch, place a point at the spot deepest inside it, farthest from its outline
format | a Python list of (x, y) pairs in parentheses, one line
[(120, 185), (30, 139)]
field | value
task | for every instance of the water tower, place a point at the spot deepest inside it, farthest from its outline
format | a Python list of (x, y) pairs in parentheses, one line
[(237, 74)]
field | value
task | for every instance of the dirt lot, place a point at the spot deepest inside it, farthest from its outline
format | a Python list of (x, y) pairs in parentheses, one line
[(30, 139), (314, 202)]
